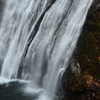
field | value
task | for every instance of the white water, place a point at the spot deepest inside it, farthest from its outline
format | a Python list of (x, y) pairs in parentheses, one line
[(43, 58)]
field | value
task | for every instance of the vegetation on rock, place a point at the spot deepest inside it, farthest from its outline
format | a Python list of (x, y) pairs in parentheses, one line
[(87, 85)]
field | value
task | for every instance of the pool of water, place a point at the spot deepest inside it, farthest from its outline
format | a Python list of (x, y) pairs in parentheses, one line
[(14, 91)]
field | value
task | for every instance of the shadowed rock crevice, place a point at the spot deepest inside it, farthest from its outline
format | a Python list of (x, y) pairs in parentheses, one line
[(35, 29)]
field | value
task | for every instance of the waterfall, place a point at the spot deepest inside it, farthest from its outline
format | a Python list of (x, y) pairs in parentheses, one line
[(37, 39)]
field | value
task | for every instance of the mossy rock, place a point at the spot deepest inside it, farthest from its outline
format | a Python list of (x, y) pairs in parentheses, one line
[(88, 55)]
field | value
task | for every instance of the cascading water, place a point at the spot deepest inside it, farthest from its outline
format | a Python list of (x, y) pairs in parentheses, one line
[(37, 39)]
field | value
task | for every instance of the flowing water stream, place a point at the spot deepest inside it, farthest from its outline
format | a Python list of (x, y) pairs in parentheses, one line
[(37, 39)]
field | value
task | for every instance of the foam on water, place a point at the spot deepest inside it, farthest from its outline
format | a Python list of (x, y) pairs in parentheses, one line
[(30, 90), (4, 80)]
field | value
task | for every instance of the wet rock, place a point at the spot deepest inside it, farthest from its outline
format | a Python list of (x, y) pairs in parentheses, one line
[(86, 86)]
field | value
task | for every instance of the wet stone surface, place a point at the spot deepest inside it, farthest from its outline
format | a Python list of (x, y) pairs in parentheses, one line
[(87, 85)]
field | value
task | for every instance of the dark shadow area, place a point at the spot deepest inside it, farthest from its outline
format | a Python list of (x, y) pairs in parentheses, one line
[(13, 91)]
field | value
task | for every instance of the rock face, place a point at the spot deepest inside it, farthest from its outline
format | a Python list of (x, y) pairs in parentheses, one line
[(87, 53), (74, 67), (89, 44)]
